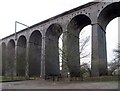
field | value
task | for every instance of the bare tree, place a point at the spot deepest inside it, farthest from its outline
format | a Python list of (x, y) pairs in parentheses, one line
[(85, 68), (82, 54), (117, 51), (115, 63), (64, 55)]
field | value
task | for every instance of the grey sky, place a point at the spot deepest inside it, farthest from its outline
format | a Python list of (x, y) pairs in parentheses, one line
[(31, 12)]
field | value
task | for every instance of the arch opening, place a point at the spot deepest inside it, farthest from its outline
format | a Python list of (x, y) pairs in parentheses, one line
[(10, 58), (52, 66), (112, 44), (109, 13), (3, 59), (21, 56), (35, 44), (85, 51), (61, 51), (74, 28)]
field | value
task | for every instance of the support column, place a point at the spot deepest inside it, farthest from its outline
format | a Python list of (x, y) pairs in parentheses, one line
[(72, 56), (27, 61), (15, 62), (1, 59), (99, 53), (43, 58), (64, 56)]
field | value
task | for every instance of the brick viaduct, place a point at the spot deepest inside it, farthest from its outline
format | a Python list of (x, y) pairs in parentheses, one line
[(35, 52)]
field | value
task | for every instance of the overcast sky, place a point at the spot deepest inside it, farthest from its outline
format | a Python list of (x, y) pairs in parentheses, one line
[(31, 12)]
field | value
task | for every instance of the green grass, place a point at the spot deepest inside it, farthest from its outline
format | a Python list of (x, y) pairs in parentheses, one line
[(102, 79), (9, 79), (89, 79)]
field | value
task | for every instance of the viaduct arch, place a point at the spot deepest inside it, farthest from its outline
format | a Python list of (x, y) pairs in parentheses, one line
[(52, 50), (21, 53), (74, 27), (10, 63), (36, 47), (35, 43)]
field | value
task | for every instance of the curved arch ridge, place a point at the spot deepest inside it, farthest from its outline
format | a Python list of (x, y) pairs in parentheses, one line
[(77, 23), (109, 13)]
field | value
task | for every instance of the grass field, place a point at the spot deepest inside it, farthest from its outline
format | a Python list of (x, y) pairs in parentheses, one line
[(88, 79), (9, 79)]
